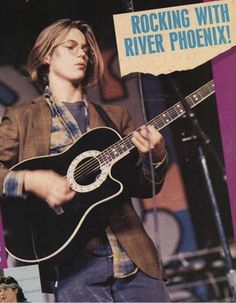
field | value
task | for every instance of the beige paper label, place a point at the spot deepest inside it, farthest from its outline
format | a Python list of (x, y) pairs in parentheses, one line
[(161, 41)]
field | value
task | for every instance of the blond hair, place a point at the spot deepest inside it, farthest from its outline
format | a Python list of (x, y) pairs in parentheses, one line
[(48, 40)]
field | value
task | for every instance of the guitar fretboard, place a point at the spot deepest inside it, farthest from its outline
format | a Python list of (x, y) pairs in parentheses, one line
[(123, 146)]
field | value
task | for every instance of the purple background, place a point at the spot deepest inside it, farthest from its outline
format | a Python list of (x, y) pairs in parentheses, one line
[(224, 71)]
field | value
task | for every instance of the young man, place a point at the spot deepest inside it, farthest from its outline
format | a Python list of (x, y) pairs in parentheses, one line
[(118, 261)]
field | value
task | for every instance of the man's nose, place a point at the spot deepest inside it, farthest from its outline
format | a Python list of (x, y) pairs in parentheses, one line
[(80, 52)]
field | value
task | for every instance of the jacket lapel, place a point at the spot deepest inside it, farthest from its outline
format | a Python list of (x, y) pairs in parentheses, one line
[(94, 118), (42, 122)]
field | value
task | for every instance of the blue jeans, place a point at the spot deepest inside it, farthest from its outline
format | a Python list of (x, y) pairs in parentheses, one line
[(94, 282)]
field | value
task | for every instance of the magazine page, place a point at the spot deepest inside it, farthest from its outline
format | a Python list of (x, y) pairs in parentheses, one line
[(117, 153)]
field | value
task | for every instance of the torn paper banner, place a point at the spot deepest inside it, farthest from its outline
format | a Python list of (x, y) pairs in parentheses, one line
[(161, 41)]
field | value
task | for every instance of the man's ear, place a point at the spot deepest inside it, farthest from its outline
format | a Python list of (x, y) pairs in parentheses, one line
[(47, 59)]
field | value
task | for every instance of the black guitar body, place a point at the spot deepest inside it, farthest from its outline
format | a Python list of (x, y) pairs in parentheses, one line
[(34, 232)]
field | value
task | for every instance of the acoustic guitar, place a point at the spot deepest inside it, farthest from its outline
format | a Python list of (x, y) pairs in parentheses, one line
[(33, 231)]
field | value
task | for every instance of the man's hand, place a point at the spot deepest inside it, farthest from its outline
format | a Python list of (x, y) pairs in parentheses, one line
[(49, 186), (150, 139)]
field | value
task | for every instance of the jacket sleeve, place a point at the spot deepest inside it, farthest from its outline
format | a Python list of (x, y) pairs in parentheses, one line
[(9, 144), (13, 185)]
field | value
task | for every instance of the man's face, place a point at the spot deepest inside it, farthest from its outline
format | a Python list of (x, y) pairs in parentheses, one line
[(69, 60), (8, 294)]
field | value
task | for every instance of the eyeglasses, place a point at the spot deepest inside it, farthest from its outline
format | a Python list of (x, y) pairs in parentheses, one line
[(73, 48)]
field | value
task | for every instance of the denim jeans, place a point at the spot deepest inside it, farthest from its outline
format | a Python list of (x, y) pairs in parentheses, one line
[(94, 282)]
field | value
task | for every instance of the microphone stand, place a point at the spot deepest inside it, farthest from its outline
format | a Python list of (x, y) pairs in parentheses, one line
[(203, 140), (129, 7)]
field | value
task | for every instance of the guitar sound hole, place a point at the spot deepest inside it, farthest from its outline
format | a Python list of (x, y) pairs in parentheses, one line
[(87, 171)]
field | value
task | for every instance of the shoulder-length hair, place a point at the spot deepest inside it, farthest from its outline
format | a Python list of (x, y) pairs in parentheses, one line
[(52, 36)]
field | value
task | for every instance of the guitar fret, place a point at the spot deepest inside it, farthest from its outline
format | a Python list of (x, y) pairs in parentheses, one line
[(161, 122), (174, 113), (191, 100), (115, 151), (179, 109), (195, 98), (166, 117), (123, 147)]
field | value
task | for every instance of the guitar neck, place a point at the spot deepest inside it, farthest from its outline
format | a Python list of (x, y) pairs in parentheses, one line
[(177, 110), (123, 146)]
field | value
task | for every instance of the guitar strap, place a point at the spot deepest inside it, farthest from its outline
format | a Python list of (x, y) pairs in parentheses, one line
[(105, 117)]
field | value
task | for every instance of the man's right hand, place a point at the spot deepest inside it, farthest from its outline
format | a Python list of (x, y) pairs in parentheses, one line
[(49, 186)]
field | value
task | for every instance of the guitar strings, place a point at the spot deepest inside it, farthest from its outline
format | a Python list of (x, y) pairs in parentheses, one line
[(91, 166), (169, 112)]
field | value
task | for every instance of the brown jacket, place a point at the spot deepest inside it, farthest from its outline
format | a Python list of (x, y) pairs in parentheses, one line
[(25, 133)]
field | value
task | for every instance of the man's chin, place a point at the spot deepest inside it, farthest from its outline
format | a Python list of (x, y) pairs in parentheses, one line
[(76, 82)]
